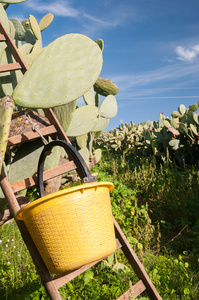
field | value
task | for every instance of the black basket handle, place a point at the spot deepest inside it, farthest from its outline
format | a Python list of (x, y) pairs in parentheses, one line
[(82, 168)]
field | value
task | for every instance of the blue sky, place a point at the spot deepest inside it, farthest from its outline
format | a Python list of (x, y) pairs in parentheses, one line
[(151, 48)]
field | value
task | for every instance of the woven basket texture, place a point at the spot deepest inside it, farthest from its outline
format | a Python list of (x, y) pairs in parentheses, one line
[(74, 229)]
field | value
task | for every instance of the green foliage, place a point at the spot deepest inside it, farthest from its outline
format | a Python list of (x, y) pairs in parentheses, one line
[(172, 277), (151, 224)]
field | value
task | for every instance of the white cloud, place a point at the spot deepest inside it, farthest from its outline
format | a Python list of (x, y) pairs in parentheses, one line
[(90, 24), (176, 74), (58, 8), (187, 54)]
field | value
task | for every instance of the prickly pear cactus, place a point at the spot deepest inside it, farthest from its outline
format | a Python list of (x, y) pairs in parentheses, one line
[(6, 110), (19, 30), (84, 118), (75, 61), (105, 87), (109, 108), (64, 113), (46, 21)]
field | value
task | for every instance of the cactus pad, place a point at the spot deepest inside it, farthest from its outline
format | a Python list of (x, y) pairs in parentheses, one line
[(64, 71), (84, 118), (109, 108), (89, 97), (4, 18), (19, 30), (64, 113), (35, 27), (25, 161), (6, 109), (45, 21), (101, 124)]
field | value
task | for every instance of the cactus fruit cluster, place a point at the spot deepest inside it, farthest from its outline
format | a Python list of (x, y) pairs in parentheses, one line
[(175, 138), (57, 76)]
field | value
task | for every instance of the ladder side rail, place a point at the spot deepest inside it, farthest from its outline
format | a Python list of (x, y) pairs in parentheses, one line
[(135, 263), (39, 264), (54, 121), (13, 48)]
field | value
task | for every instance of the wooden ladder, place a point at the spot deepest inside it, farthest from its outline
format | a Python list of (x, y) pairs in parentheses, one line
[(52, 284)]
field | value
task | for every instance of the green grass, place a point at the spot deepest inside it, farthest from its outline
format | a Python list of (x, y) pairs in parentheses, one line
[(158, 210)]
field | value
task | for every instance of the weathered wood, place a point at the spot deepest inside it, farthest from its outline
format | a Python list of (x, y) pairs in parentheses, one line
[(6, 215), (31, 181), (62, 279), (31, 135), (53, 120), (2, 38), (135, 263), (41, 267), (10, 67), (134, 291), (13, 49)]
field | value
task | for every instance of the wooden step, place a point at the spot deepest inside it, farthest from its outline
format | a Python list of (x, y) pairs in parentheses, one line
[(134, 291), (2, 38), (49, 174), (30, 135), (10, 67)]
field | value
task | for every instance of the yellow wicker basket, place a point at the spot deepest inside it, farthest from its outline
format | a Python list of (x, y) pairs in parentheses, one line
[(72, 227)]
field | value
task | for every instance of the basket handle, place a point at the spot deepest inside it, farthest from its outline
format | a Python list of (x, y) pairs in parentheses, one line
[(82, 168)]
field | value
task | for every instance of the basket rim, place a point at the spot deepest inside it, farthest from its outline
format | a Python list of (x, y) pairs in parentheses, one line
[(19, 214)]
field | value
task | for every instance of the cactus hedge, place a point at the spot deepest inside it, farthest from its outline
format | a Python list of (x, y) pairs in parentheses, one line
[(175, 138)]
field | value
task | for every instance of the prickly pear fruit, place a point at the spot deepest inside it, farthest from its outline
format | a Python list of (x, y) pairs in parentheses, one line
[(65, 70), (105, 87), (193, 107), (26, 24), (45, 21), (100, 43), (6, 109)]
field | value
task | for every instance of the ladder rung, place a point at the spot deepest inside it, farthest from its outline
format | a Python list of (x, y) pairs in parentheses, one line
[(30, 135), (135, 291), (62, 279), (2, 38), (10, 67), (31, 181)]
